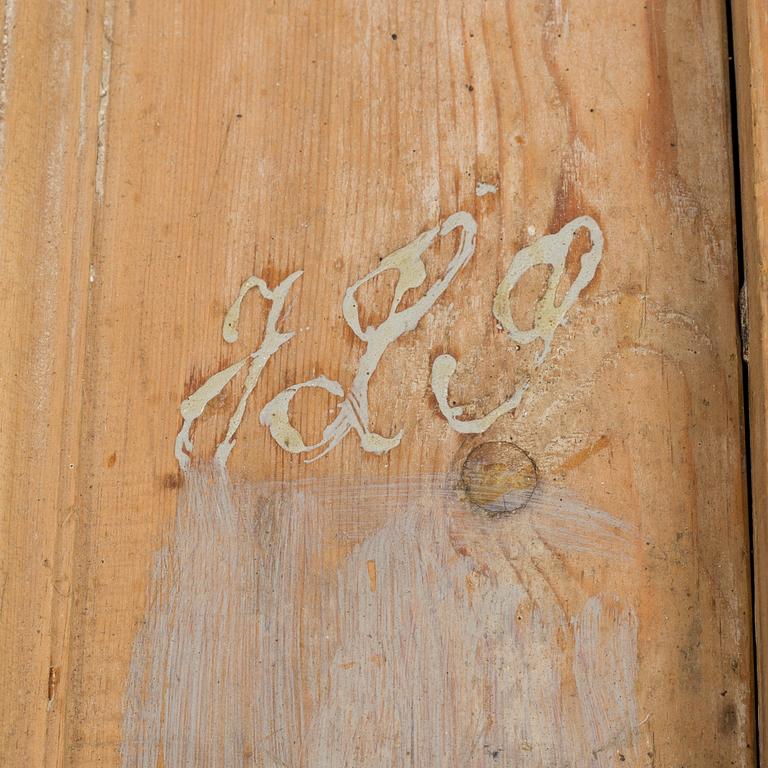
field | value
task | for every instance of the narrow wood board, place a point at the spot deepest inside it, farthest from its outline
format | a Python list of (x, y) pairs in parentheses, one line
[(566, 584), (751, 53)]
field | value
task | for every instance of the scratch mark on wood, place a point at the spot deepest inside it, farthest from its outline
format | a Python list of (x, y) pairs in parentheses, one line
[(53, 682)]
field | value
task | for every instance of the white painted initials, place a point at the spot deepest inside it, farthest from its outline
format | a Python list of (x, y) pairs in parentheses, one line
[(353, 414)]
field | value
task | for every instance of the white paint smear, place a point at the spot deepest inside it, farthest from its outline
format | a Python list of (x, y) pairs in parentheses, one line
[(411, 650)]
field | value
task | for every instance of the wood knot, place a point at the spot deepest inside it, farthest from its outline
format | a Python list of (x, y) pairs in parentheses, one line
[(499, 478)]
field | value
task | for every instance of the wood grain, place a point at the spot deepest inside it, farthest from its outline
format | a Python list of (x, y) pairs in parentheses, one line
[(370, 609), (48, 97), (751, 51)]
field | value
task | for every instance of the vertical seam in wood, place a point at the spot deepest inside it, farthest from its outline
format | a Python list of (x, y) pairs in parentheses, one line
[(739, 67)]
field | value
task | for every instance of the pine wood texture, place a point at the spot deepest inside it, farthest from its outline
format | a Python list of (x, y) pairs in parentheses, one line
[(567, 585), (751, 53)]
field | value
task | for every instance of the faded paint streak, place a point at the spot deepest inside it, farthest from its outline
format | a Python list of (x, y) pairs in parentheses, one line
[(9, 19), (106, 71), (605, 652), (414, 651)]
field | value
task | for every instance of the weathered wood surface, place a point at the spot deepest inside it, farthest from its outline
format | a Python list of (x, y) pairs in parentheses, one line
[(751, 52), (50, 63), (568, 586)]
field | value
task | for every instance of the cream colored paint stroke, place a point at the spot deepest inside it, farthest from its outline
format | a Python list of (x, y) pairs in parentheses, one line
[(254, 655), (549, 250), (443, 369), (275, 415), (354, 411), (229, 330), (193, 406), (272, 341)]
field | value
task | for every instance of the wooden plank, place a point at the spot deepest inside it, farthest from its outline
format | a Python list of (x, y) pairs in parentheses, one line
[(751, 53), (48, 95), (567, 583)]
